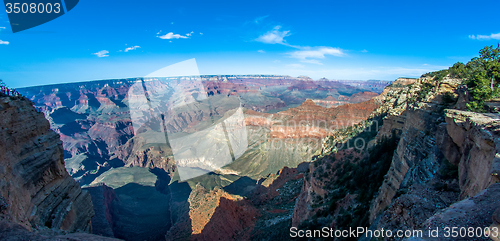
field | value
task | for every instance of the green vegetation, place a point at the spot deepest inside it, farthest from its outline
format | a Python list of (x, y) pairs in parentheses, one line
[(426, 89), (363, 178), (354, 177), (481, 74), (448, 99), (437, 75), (484, 75)]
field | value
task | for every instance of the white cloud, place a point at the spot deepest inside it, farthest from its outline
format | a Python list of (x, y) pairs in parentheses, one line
[(261, 51), (102, 53), (274, 36), (486, 37), (364, 51), (304, 54), (311, 55), (132, 48), (189, 34), (171, 35), (201, 33), (4, 42)]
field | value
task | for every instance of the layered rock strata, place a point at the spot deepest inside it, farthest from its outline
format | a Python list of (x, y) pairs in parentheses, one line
[(36, 190)]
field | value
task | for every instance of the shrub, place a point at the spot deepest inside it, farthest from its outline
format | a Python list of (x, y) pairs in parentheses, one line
[(448, 98), (481, 74)]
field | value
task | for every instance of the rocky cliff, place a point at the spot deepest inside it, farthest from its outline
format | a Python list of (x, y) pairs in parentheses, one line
[(37, 193), (477, 152), (444, 156), (334, 192), (428, 163)]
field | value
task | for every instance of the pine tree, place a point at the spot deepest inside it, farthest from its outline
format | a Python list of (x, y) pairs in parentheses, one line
[(484, 78)]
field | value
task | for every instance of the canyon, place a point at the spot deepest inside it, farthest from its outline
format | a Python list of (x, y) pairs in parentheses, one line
[(248, 157), (103, 148)]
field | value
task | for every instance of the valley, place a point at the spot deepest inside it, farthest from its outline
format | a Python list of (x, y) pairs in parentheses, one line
[(284, 122)]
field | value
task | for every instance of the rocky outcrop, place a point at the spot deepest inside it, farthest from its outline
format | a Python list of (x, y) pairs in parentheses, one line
[(273, 183), (37, 190), (215, 215), (467, 140), (39, 200), (413, 109), (476, 137), (393, 103), (477, 212), (444, 156), (415, 159)]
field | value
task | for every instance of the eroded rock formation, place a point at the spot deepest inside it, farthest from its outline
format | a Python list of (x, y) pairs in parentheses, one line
[(40, 200), (37, 189)]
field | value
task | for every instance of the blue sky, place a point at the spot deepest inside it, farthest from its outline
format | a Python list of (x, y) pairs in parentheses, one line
[(356, 40)]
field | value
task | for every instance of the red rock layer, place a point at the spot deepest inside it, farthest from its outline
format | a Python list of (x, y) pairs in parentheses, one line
[(217, 215), (362, 96), (316, 117)]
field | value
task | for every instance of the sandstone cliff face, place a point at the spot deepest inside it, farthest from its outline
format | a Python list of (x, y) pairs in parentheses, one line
[(243, 210), (476, 137), (393, 101), (413, 109), (443, 156), (34, 183), (415, 159)]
